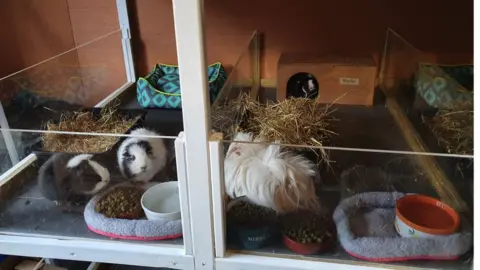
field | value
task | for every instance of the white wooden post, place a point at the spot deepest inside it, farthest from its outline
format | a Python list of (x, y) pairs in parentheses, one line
[(218, 191), (188, 17), (183, 187)]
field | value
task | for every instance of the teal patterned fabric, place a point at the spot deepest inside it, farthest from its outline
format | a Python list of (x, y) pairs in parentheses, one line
[(161, 87), (462, 74), (439, 87)]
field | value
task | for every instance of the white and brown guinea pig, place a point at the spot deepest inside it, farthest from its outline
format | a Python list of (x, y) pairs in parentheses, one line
[(66, 178), (141, 158), (268, 176)]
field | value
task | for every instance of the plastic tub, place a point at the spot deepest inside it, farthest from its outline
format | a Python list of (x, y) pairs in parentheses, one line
[(423, 216), (300, 248), (162, 202), (291, 222), (251, 237)]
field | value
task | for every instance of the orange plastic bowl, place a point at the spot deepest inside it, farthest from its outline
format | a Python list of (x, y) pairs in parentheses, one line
[(423, 216), (304, 249)]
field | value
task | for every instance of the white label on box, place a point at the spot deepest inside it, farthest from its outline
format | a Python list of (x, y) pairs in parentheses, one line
[(349, 81)]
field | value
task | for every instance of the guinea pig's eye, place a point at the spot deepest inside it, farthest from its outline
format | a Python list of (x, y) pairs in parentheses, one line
[(128, 157)]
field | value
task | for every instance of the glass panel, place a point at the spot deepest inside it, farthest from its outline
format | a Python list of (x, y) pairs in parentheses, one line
[(61, 82), (5, 158), (399, 62), (70, 81), (434, 101), (387, 125), (243, 79), (302, 123), (250, 168), (69, 195), (32, 32)]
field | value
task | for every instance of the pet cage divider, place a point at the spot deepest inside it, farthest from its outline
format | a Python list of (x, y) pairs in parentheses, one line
[(180, 157), (190, 44), (8, 138), (218, 192)]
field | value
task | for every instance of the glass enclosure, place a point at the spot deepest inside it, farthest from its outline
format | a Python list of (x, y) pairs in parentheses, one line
[(433, 105), (81, 145), (64, 194), (336, 159), (84, 159), (78, 78), (352, 184), (284, 165)]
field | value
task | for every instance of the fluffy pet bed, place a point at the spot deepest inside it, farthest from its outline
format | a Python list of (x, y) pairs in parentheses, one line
[(366, 230), (143, 229)]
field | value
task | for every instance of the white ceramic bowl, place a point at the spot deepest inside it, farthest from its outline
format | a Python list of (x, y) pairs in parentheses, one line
[(162, 202), (406, 231), (419, 216)]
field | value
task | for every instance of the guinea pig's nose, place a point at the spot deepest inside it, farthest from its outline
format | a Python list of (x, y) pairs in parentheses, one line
[(144, 168)]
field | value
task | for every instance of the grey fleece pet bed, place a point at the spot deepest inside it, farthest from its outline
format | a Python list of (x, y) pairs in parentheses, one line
[(141, 229), (366, 230)]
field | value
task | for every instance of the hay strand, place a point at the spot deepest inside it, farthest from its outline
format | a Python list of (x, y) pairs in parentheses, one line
[(229, 116), (453, 127)]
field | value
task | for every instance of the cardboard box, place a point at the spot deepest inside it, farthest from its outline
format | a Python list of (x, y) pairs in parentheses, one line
[(343, 80)]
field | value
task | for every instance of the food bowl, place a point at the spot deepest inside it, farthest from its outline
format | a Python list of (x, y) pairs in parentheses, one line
[(250, 235), (121, 202), (301, 248), (423, 216), (308, 233), (162, 202)]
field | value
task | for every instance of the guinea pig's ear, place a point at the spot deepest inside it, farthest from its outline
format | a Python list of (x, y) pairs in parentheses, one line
[(77, 164), (77, 160), (145, 145)]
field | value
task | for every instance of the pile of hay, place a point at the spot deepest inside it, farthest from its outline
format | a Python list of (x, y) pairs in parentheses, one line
[(295, 121), (453, 128), (108, 121), (230, 117)]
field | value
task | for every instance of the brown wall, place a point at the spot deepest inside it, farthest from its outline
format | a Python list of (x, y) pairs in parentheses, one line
[(33, 31), (440, 27), (101, 62)]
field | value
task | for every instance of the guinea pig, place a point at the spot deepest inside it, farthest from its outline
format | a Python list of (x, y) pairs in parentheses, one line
[(308, 87), (140, 158), (90, 176), (269, 177), (64, 178), (239, 149), (305, 86)]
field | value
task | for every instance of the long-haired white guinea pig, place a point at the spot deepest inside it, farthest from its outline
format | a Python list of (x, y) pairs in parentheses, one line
[(141, 158), (282, 181)]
